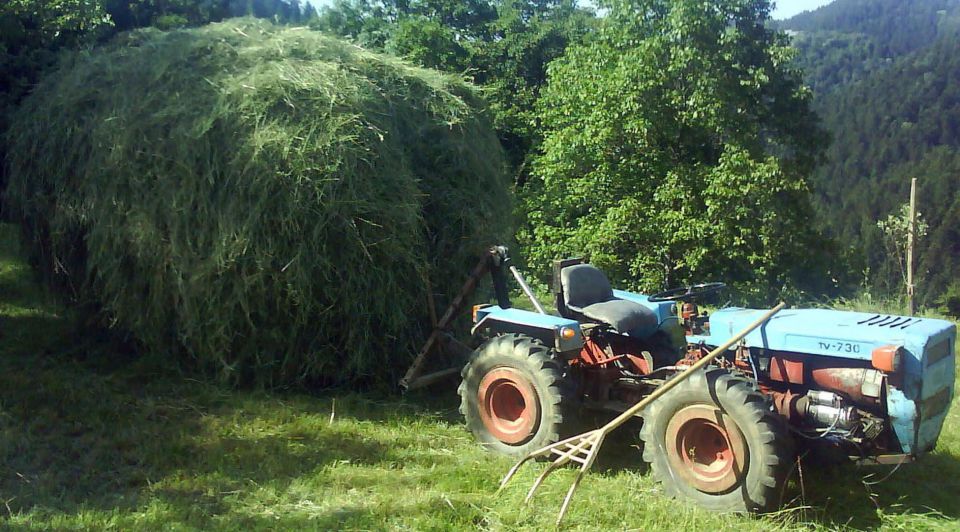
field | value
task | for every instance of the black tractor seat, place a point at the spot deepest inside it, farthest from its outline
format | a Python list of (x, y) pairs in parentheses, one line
[(588, 296)]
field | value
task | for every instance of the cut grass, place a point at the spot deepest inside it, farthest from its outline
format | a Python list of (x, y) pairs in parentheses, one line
[(95, 436)]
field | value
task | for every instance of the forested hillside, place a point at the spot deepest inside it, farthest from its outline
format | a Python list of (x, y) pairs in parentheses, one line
[(885, 74)]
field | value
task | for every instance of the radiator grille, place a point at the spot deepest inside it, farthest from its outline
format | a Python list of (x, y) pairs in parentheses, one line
[(936, 404)]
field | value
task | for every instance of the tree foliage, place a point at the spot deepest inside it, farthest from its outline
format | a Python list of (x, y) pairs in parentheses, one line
[(896, 232), (31, 30), (848, 40), (503, 45), (896, 27), (677, 145)]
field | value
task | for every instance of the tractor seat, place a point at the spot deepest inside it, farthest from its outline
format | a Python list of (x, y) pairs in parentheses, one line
[(587, 294)]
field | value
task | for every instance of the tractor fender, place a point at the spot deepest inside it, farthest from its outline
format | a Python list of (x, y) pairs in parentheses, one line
[(561, 334)]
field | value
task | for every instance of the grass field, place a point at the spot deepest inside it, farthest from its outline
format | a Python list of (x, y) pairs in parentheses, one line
[(94, 436)]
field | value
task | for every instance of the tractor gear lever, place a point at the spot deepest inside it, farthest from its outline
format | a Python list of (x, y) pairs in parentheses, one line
[(499, 261)]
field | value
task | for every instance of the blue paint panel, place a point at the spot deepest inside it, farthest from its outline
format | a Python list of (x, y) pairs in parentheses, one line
[(903, 414), (928, 365), (826, 332), (928, 433), (936, 393), (526, 317), (662, 310), (937, 377), (538, 321)]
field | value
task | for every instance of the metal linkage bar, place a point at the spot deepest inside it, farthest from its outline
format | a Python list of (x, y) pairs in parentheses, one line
[(527, 290)]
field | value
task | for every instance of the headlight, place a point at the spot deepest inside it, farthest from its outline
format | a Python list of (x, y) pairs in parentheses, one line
[(887, 358)]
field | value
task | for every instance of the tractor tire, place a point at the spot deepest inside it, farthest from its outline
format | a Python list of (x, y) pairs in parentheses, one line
[(745, 449), (514, 395)]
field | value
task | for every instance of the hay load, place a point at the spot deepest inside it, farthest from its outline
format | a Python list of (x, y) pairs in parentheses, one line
[(269, 202)]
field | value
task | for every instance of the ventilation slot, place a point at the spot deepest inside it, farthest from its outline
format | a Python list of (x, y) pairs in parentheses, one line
[(892, 322)]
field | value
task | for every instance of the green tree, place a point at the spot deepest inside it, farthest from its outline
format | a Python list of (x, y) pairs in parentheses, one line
[(896, 233), (368, 23), (512, 65), (32, 30), (886, 75), (677, 144), (429, 43), (50, 22), (503, 45)]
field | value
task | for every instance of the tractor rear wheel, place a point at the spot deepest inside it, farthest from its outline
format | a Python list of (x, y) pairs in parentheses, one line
[(714, 440), (514, 396)]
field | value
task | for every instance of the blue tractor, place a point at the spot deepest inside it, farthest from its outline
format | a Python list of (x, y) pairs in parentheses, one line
[(872, 387)]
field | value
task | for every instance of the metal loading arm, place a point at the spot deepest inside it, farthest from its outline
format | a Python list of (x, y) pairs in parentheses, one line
[(493, 261)]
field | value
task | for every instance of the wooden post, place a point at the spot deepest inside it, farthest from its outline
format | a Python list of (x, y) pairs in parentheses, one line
[(911, 239)]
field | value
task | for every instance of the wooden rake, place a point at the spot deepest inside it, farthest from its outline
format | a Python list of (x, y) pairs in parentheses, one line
[(583, 448)]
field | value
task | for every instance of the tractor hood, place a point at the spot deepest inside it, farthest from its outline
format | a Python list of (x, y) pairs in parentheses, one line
[(917, 407), (834, 333)]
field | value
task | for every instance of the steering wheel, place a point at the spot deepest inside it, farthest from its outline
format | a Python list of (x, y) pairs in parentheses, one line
[(686, 293)]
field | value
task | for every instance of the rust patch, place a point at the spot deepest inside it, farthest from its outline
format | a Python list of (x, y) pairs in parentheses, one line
[(784, 369)]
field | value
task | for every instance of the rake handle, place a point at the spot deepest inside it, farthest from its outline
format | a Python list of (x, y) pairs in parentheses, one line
[(667, 386)]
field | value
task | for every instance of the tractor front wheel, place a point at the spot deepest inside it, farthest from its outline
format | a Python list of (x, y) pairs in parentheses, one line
[(513, 395), (714, 440)]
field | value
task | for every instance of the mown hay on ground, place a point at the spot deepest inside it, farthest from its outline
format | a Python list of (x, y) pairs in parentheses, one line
[(269, 201)]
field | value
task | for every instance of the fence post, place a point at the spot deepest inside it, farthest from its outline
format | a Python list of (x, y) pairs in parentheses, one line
[(911, 238)]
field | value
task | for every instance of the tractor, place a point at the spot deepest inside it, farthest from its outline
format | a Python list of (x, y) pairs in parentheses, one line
[(869, 387)]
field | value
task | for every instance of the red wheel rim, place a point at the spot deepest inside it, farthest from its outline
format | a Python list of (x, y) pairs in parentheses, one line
[(509, 406), (705, 447)]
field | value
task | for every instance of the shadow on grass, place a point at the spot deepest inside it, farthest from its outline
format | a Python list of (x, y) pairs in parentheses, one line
[(86, 427), (862, 497), (94, 430), (622, 450), (837, 496), (87, 424)]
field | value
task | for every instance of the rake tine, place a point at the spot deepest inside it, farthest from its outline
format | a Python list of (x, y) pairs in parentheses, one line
[(571, 441), (597, 438), (587, 445), (570, 453), (543, 451), (570, 448), (566, 500), (513, 471), (536, 484)]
